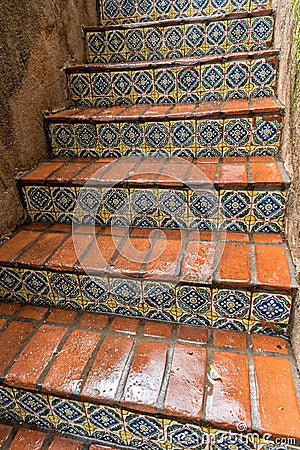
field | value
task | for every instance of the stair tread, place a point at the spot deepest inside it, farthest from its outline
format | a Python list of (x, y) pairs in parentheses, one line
[(179, 21), (267, 105), (256, 261), (152, 367), (245, 173), (15, 437)]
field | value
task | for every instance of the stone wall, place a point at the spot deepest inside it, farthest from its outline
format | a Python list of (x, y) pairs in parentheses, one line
[(284, 40), (37, 39)]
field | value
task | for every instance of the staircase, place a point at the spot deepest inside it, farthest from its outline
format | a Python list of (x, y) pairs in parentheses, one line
[(146, 303)]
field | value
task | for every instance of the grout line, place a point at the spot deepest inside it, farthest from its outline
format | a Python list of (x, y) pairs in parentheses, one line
[(253, 390), (208, 387)]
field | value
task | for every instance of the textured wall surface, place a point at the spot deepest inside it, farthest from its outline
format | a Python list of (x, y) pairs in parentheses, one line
[(37, 39), (284, 40)]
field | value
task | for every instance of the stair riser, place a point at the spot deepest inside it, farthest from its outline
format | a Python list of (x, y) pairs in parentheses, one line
[(205, 209), (121, 11), (236, 79), (200, 306), (257, 135), (142, 44)]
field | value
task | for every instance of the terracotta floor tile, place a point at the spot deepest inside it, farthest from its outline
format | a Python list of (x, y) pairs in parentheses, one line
[(8, 309), (99, 255), (233, 107), (202, 175), (103, 378), (229, 400), (27, 369), (62, 316), (173, 173), (109, 114), (66, 172), (234, 265), (198, 261), (234, 237), (157, 111), (43, 171), (91, 174), (164, 259), (230, 339), (12, 248), (147, 172), (233, 175), (186, 386), (61, 443), (63, 227), (133, 112), (182, 111), (265, 174), (131, 258), (93, 320), (192, 334), (272, 267), (28, 439), (64, 376), (212, 108), (69, 252), (125, 325), (11, 340), (271, 238), (268, 104), (41, 249), (158, 329), (269, 344), (145, 376), (32, 312), (4, 432), (2, 322), (277, 399)]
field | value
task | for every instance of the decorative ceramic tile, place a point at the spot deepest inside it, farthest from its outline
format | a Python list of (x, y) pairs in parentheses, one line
[(194, 303), (64, 285), (186, 436), (235, 208), (159, 301), (69, 416), (268, 211), (230, 304), (270, 329), (94, 289), (142, 429), (105, 424), (10, 282), (221, 440), (271, 307)]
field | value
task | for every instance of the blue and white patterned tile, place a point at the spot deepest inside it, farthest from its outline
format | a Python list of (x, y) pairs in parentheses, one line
[(165, 89), (105, 424), (186, 436), (203, 205), (231, 304), (64, 286), (195, 305), (85, 135), (235, 206), (142, 429), (94, 290), (268, 211), (222, 440), (267, 131), (38, 199), (10, 282), (237, 79), (188, 84), (69, 416), (269, 328), (173, 204), (157, 137), (80, 87), (125, 292), (209, 138), (271, 307), (62, 136), (32, 405)]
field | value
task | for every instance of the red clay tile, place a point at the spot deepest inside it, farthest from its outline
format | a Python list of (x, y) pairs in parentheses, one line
[(66, 172), (131, 257), (103, 378), (41, 249), (12, 339), (32, 312), (145, 376), (202, 174), (272, 269), (8, 309), (229, 401), (269, 344), (65, 113), (230, 339), (164, 259), (37, 226), (158, 329), (4, 433), (186, 386), (212, 108), (92, 173), (147, 172), (69, 252), (268, 104), (12, 248), (234, 264), (233, 175), (2, 322), (27, 369), (277, 398), (265, 174), (109, 114), (99, 255), (125, 325), (64, 376), (133, 112), (84, 114), (43, 171), (61, 443), (234, 237), (233, 107), (28, 439), (198, 261), (91, 320), (63, 227), (157, 111), (62, 316), (182, 111), (100, 447), (117, 172), (192, 334), (268, 238), (173, 173)]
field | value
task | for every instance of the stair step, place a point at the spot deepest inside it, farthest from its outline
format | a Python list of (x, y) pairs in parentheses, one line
[(229, 280), (14, 437), (179, 38), (202, 129), (234, 194), (136, 383), (215, 77), (137, 11)]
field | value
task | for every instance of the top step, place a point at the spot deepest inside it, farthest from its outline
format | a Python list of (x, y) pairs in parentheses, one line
[(127, 11)]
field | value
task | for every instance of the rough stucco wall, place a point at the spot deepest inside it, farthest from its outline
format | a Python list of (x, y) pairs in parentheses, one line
[(37, 39), (284, 40)]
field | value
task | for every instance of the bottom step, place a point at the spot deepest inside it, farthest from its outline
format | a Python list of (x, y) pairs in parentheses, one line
[(16, 438), (145, 384)]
